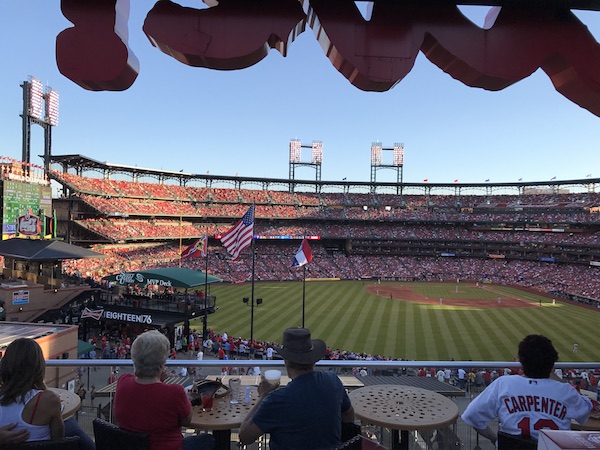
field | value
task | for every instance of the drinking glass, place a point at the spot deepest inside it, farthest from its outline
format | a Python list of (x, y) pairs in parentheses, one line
[(207, 400), (235, 387)]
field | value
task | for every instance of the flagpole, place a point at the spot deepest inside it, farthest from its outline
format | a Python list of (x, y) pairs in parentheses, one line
[(205, 318), (180, 233), (252, 300), (303, 284), (303, 292)]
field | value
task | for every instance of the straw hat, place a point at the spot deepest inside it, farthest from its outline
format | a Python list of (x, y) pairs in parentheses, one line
[(298, 347)]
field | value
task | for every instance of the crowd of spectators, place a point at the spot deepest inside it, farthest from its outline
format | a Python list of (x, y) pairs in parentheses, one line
[(117, 229), (349, 205), (560, 220), (227, 347), (272, 262), (146, 206)]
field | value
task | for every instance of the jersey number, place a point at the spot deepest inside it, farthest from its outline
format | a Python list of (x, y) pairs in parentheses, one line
[(524, 426)]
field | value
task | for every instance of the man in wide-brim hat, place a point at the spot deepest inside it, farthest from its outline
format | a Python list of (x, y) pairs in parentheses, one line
[(309, 411)]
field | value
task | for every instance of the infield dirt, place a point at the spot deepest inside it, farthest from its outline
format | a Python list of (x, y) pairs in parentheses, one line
[(407, 293)]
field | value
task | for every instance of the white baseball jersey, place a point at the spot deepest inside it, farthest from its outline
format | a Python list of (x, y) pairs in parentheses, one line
[(525, 405)]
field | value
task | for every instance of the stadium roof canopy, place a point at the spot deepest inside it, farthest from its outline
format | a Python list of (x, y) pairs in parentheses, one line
[(167, 277), (80, 162), (44, 250)]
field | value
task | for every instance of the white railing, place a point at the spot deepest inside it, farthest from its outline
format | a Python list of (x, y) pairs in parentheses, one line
[(466, 438), (323, 363)]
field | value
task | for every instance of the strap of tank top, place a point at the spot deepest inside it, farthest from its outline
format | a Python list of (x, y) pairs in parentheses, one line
[(37, 400)]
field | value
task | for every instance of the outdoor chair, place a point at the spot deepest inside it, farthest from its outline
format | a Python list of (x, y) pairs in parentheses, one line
[(360, 442), (511, 442), (68, 443), (109, 436)]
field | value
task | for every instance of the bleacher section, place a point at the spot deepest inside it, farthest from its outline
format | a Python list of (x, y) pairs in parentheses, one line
[(543, 241)]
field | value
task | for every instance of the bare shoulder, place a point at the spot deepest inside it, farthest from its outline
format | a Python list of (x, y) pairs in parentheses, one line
[(49, 398)]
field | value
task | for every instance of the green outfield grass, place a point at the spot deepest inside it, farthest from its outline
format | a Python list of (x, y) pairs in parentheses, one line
[(348, 317)]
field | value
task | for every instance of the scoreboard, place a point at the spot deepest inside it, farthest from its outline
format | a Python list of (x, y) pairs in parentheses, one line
[(19, 198)]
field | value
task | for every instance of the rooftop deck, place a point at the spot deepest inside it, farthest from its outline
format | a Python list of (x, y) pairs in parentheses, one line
[(96, 373)]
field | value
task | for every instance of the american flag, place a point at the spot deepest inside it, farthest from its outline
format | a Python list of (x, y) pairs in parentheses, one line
[(239, 237)]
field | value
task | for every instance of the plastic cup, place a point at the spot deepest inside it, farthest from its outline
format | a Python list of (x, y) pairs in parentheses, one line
[(273, 376), (235, 387), (207, 401)]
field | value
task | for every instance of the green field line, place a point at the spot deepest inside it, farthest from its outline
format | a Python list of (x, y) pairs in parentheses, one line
[(445, 347), (410, 349), (347, 317)]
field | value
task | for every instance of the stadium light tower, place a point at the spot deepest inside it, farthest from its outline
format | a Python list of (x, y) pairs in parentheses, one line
[(316, 160), (39, 107), (397, 164)]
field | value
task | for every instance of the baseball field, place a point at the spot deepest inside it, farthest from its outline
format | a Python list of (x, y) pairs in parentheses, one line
[(416, 321)]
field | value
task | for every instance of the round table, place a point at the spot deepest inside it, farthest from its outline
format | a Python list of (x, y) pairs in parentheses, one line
[(69, 401), (403, 408), (223, 417), (590, 425)]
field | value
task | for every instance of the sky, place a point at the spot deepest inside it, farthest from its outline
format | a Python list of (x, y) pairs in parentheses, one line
[(176, 117)]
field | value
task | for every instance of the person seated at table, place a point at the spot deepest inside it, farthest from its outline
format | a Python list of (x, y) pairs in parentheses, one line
[(525, 404), (143, 403), (24, 399), (309, 411)]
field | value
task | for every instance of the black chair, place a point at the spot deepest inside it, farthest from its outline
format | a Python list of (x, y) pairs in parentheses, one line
[(109, 436), (68, 443), (511, 442), (360, 442)]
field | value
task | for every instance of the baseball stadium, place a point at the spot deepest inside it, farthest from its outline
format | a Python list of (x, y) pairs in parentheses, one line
[(444, 314), (419, 272), (399, 272)]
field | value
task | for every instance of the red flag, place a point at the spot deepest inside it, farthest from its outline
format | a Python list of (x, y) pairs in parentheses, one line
[(197, 249), (425, 180), (239, 237), (456, 181), (303, 255)]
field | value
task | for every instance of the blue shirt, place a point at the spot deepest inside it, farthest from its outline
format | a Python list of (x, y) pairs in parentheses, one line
[(305, 414)]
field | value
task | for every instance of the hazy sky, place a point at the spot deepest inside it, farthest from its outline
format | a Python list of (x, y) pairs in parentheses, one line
[(240, 122)]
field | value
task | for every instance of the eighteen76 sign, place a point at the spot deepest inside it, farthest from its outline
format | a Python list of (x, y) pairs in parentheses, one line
[(372, 54)]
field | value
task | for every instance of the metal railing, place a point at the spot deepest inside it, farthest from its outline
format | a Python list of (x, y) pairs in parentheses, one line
[(96, 372)]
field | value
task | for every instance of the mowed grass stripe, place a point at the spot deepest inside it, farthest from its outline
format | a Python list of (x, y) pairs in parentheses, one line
[(279, 306), (459, 334), (393, 338), (475, 333), (329, 304), (445, 346), (353, 331), (495, 342), (429, 343), (367, 336), (585, 332), (347, 317), (417, 336), (410, 348)]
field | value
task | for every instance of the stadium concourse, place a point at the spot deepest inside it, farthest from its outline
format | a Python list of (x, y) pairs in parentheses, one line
[(541, 238)]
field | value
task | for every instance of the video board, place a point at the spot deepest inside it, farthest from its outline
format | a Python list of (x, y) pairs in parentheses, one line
[(19, 198)]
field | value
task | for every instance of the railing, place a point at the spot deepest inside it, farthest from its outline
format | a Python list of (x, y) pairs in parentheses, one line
[(323, 363), (96, 372)]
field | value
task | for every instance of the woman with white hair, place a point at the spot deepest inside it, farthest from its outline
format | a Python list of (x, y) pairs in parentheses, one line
[(143, 403)]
